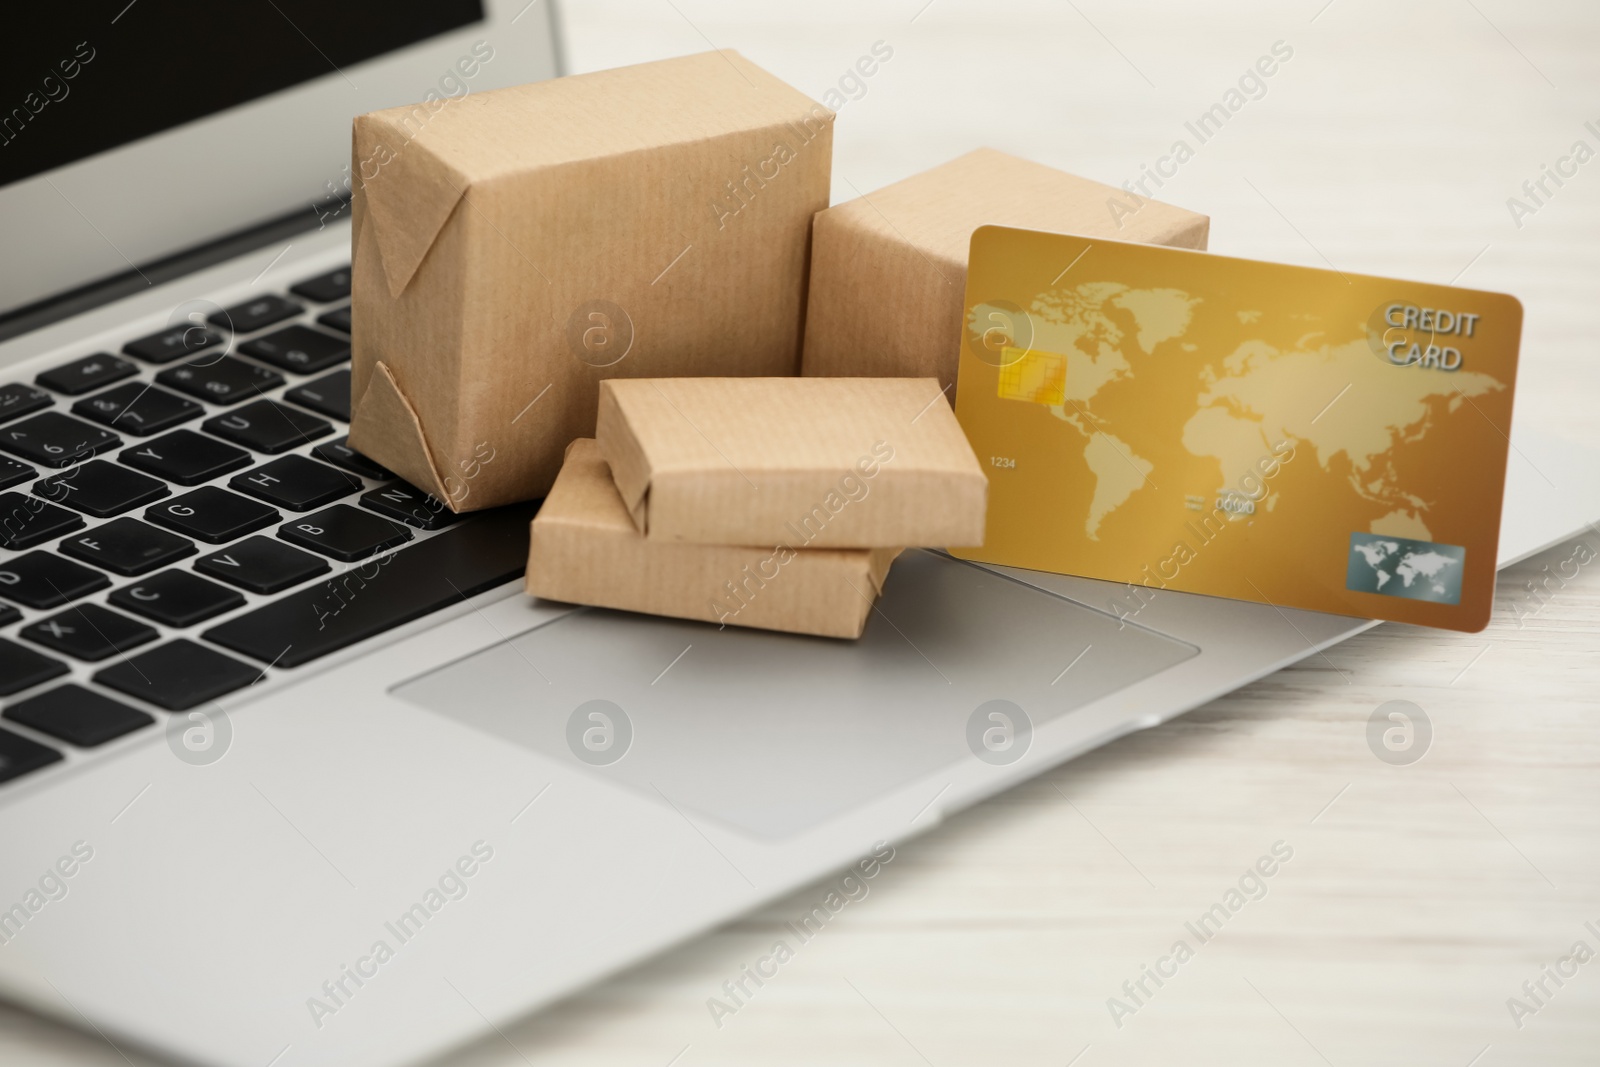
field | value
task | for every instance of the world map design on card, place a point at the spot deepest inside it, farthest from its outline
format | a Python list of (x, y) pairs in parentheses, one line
[(1172, 419)]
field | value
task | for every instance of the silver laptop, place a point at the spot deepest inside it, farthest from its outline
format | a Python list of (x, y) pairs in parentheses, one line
[(291, 772)]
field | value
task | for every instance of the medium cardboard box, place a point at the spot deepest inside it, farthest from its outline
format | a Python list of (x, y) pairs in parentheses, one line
[(513, 248), (889, 271), (584, 549), (799, 462)]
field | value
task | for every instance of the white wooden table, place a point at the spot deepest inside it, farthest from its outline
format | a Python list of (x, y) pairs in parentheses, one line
[(1418, 898)]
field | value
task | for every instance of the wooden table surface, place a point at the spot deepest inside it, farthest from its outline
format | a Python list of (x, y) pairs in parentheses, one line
[(1418, 899)]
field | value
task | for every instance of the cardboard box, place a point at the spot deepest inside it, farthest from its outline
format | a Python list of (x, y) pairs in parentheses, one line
[(515, 247), (889, 271), (584, 549), (801, 462)]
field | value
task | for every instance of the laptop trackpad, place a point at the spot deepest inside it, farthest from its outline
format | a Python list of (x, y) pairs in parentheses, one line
[(772, 733)]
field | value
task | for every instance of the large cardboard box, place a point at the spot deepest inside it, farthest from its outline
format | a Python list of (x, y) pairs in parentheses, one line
[(513, 248), (889, 270), (801, 462), (584, 549)]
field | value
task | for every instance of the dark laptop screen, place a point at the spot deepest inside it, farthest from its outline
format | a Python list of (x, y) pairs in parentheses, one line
[(80, 78)]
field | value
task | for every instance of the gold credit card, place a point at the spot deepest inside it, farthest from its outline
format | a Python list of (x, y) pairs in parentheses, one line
[(1170, 419)]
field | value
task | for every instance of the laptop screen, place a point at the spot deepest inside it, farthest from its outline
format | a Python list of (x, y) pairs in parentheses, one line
[(90, 77)]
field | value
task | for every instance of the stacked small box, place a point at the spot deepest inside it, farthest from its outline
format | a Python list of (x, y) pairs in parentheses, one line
[(775, 503)]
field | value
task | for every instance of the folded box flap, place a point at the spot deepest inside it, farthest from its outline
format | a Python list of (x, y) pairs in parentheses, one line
[(878, 566), (385, 427), (408, 192), (630, 467)]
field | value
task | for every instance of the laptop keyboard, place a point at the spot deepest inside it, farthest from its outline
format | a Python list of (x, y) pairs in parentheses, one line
[(185, 518)]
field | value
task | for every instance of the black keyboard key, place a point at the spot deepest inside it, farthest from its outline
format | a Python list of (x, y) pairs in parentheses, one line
[(299, 349), (186, 457), (212, 514), (14, 473), (101, 489), (296, 483), (137, 408), (26, 521), (328, 395), (489, 549), (261, 565), (21, 667), (176, 598), (16, 400), (78, 716), (18, 755), (88, 373), (336, 320), (174, 342), (254, 314), (410, 505), (127, 546), (344, 533), (89, 632), (178, 675), (340, 454), (42, 580), (56, 440), (220, 379), (266, 426), (9, 615), (326, 288)]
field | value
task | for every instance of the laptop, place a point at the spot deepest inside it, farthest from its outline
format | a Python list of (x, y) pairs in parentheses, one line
[(291, 771)]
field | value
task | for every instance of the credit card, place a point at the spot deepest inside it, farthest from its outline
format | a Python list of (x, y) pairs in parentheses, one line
[(1170, 419)]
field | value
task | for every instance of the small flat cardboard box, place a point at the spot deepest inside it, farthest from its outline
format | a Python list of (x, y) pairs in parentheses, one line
[(584, 549), (889, 271), (515, 247), (801, 462)]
